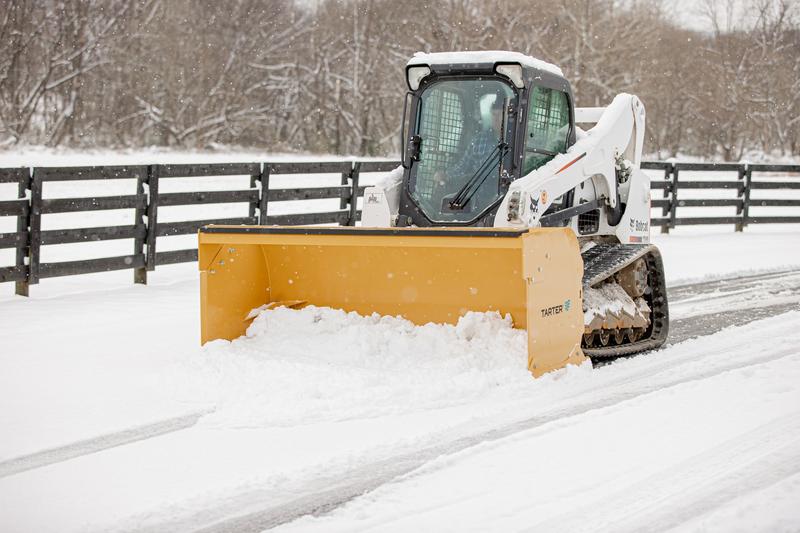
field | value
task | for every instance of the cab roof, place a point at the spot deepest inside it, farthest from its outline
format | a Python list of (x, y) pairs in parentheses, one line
[(484, 57)]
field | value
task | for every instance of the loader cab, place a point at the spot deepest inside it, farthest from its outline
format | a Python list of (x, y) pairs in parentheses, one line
[(471, 128)]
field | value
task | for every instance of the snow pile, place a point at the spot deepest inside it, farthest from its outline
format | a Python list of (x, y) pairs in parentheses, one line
[(312, 364)]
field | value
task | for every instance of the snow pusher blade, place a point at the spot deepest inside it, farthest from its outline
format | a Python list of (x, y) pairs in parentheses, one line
[(424, 275)]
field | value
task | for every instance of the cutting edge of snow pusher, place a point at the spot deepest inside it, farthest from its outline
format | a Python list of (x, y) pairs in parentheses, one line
[(424, 275)]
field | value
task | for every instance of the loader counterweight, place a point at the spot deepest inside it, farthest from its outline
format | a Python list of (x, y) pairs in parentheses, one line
[(423, 275)]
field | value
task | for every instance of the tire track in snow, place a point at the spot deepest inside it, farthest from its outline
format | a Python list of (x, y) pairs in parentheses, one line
[(335, 490), (97, 444), (686, 291), (684, 329), (700, 309), (760, 458)]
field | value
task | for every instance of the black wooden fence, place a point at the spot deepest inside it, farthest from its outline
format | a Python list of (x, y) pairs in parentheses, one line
[(742, 179), (31, 206)]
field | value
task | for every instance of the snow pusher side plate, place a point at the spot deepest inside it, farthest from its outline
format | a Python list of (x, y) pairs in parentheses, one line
[(425, 275)]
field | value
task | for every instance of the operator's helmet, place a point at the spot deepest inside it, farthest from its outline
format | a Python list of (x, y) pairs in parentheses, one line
[(492, 102), (491, 105), (497, 103)]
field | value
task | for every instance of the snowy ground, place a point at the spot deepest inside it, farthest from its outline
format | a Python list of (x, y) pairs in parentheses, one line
[(113, 419), (116, 419), (692, 454)]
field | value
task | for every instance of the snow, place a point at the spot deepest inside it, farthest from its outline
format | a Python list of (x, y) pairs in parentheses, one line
[(693, 256), (291, 409), (44, 156), (653, 462), (66, 373), (718, 408), (391, 179), (772, 508), (489, 56), (85, 363), (607, 299), (326, 365)]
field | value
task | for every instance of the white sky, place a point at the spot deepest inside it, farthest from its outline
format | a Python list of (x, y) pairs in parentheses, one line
[(694, 14)]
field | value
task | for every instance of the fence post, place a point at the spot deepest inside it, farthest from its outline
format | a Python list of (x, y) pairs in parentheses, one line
[(153, 172), (252, 206), (745, 210), (666, 194), (34, 250), (21, 288), (345, 180), (140, 274), (263, 200), (673, 204), (354, 174)]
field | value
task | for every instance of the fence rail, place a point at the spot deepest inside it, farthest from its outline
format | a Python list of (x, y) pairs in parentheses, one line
[(30, 206), (678, 177)]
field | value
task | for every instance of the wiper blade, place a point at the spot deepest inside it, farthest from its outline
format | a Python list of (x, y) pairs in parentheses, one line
[(472, 185), (460, 198)]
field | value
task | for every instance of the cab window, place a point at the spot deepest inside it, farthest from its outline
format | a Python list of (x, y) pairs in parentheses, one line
[(548, 127)]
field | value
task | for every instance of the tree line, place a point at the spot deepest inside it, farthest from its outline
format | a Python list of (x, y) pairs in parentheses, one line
[(327, 76)]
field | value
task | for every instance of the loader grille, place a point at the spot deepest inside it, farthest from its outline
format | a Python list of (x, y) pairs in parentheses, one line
[(589, 222)]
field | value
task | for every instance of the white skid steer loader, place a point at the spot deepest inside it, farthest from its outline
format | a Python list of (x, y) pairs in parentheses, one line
[(501, 204)]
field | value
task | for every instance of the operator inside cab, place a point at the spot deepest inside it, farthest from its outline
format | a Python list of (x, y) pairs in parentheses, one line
[(479, 148), (461, 127)]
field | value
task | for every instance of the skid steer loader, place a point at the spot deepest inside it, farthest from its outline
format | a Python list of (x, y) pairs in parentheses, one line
[(501, 204)]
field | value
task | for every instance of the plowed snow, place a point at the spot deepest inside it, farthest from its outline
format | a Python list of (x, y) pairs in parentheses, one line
[(315, 364)]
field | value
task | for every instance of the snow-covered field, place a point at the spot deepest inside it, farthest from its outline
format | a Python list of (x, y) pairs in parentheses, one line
[(442, 421), (114, 419)]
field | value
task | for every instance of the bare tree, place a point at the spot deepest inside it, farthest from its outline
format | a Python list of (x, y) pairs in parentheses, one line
[(328, 76), (48, 48)]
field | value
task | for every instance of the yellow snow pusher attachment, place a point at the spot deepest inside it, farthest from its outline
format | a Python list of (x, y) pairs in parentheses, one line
[(424, 275)]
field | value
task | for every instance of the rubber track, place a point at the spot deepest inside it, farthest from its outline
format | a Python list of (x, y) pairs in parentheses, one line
[(605, 259)]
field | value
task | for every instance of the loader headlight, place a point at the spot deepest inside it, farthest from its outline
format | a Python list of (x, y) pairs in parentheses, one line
[(512, 72), (416, 75)]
